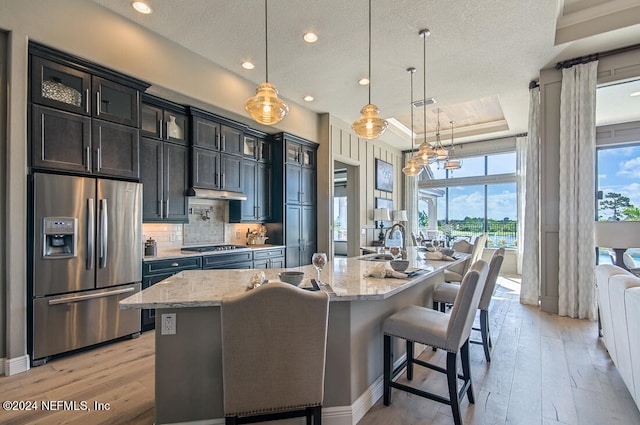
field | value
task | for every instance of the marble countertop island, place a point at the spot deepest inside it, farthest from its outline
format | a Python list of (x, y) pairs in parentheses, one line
[(346, 280), (188, 360)]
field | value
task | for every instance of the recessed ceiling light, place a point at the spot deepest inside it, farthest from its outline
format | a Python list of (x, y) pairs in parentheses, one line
[(248, 65), (363, 81), (308, 98), (310, 37), (635, 93), (142, 7)]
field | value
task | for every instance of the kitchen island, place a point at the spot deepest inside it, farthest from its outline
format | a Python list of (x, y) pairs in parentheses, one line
[(188, 366)]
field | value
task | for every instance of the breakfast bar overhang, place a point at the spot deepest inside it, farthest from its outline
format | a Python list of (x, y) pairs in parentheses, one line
[(188, 384)]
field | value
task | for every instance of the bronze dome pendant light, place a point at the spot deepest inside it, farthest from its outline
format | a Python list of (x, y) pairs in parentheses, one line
[(370, 125), (411, 169), (266, 107)]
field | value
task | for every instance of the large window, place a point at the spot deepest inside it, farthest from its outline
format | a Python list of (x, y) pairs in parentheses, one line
[(618, 180), (480, 197)]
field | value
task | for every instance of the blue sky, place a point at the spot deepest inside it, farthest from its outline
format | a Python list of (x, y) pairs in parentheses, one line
[(619, 171)]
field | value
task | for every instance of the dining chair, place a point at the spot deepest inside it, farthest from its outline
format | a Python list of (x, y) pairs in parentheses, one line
[(456, 272), (449, 332), (274, 341), (446, 293)]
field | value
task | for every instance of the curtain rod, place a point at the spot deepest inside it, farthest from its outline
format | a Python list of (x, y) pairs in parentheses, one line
[(595, 56)]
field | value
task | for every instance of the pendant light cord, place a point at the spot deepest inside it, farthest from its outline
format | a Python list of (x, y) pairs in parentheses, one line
[(411, 72), (266, 44), (369, 51), (424, 87)]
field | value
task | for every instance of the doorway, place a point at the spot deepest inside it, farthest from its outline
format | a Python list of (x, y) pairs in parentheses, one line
[(344, 218)]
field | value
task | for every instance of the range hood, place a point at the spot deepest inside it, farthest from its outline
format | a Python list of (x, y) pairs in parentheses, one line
[(215, 194)]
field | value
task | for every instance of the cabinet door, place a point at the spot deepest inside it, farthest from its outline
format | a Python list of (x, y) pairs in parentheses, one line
[(292, 152), (277, 263), (250, 147), (308, 156), (308, 186), (175, 127), (230, 172), (293, 224), (151, 176), (308, 232), (264, 150), (176, 163), (205, 166), (232, 140), (115, 149), (248, 208), (151, 120), (206, 134), (59, 86), (263, 192), (293, 176), (115, 102), (60, 140)]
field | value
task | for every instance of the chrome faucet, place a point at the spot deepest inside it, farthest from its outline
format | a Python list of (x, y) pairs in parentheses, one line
[(390, 236)]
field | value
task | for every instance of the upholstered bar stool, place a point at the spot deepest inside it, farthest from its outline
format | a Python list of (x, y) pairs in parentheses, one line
[(455, 273), (446, 293), (449, 332), (274, 341)]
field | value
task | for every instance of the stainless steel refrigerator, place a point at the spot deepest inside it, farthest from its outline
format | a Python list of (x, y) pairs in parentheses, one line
[(86, 244)]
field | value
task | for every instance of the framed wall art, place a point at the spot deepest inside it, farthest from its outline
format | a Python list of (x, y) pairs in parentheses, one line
[(384, 176)]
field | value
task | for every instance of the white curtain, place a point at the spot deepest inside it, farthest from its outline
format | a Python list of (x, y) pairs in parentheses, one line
[(528, 150), (577, 186), (411, 202)]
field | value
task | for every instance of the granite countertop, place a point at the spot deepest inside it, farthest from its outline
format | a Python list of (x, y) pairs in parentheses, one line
[(176, 253), (345, 278)]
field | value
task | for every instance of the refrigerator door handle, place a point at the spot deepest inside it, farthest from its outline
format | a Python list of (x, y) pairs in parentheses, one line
[(75, 299), (104, 233), (91, 233)]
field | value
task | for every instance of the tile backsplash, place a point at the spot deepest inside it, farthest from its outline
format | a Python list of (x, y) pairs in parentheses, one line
[(208, 224)]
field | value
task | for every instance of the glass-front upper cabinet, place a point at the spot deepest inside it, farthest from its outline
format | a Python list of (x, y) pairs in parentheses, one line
[(60, 86), (164, 124), (115, 102)]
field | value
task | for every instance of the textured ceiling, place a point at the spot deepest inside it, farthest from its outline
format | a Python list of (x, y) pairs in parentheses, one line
[(480, 57)]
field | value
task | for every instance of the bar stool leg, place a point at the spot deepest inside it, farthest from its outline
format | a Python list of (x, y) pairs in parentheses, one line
[(484, 331), (466, 370), (388, 366), (410, 360), (452, 372)]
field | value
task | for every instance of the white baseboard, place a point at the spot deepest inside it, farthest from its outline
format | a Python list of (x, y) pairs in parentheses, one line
[(13, 366)]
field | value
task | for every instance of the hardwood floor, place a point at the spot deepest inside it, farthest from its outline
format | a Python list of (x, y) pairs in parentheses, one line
[(545, 370)]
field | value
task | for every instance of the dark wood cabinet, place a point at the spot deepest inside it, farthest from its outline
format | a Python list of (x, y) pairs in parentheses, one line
[(231, 140), (58, 86), (115, 150), (300, 235), (84, 117), (294, 198), (60, 140), (158, 270), (162, 123), (268, 258), (235, 260), (115, 102), (68, 142), (256, 183), (164, 174), (164, 159)]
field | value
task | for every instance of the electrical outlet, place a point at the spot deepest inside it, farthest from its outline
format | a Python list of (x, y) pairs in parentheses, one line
[(172, 237), (364, 231), (168, 324)]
